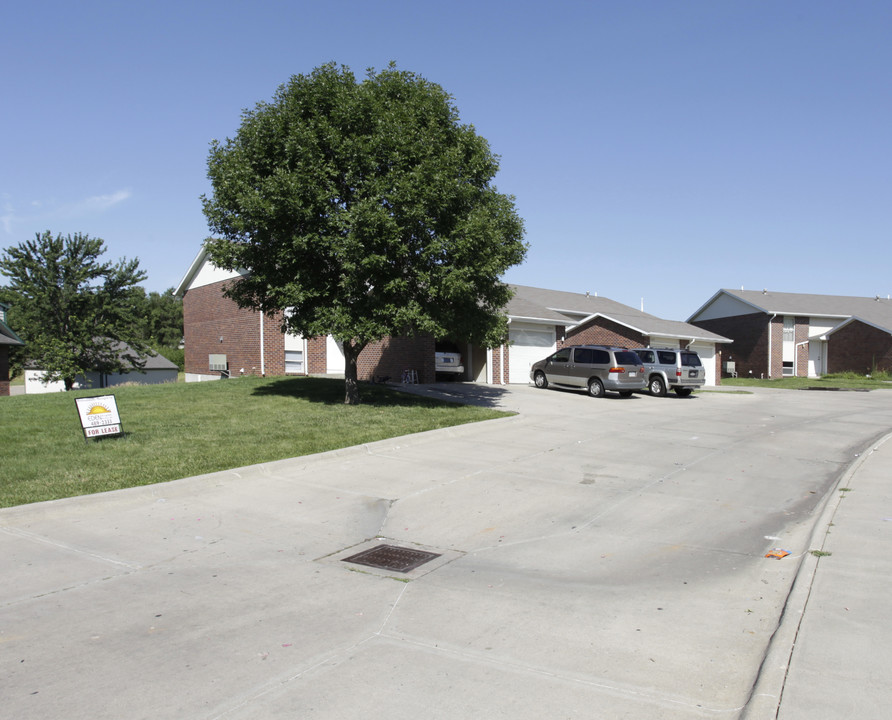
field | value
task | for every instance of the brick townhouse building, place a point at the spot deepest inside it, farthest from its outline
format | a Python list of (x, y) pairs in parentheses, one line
[(778, 334), (222, 339)]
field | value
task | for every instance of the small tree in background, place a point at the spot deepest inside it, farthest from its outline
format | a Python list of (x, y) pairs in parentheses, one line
[(72, 309), (163, 324), (164, 319), (368, 210)]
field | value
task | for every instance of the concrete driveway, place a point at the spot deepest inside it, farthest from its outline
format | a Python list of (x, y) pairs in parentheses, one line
[(596, 558)]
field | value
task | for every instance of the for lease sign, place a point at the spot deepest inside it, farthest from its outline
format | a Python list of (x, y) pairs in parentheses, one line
[(99, 416)]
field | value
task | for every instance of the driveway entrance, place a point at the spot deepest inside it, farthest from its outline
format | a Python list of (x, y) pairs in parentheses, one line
[(593, 558)]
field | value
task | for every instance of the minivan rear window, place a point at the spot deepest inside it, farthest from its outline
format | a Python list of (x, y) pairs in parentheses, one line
[(627, 357)]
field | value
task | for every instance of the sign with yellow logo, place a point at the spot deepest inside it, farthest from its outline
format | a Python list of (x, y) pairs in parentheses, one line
[(99, 416)]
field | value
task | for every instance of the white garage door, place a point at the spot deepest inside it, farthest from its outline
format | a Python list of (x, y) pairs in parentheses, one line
[(706, 351), (529, 343)]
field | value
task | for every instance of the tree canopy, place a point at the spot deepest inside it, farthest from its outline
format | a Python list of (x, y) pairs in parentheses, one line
[(364, 209), (163, 319), (71, 308)]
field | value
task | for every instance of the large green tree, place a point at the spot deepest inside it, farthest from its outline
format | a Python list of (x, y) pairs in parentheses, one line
[(71, 308), (163, 315), (364, 209)]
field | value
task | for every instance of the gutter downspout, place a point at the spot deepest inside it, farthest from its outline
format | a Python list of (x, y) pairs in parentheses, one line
[(262, 353), (503, 353), (773, 315)]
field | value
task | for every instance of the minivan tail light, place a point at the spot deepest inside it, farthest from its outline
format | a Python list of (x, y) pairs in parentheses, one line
[(678, 373), (617, 370)]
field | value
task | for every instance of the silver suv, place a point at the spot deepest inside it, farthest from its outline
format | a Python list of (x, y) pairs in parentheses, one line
[(673, 368), (594, 368)]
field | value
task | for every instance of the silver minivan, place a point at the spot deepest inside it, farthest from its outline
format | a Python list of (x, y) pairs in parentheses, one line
[(594, 368)]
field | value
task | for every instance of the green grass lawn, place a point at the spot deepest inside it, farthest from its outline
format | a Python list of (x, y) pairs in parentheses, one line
[(843, 381), (179, 430)]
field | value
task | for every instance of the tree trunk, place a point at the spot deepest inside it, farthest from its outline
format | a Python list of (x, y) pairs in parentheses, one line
[(69, 383), (351, 381)]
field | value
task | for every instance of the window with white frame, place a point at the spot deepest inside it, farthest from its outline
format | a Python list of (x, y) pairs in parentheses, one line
[(789, 347), (294, 362)]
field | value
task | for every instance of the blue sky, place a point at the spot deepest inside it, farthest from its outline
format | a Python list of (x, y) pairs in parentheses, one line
[(658, 150)]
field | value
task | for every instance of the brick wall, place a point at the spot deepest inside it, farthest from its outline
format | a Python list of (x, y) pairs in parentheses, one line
[(749, 351), (4, 371), (859, 348), (603, 332), (393, 355), (273, 344), (208, 316), (777, 347), (317, 359), (497, 364), (800, 337)]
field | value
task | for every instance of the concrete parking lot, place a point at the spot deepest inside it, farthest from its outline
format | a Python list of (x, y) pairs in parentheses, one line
[(596, 558)]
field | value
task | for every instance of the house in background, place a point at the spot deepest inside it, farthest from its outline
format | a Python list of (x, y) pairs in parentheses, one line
[(158, 369), (798, 335), (223, 340), (7, 339), (542, 321)]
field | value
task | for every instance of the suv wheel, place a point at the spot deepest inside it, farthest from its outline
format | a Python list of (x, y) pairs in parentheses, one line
[(540, 380), (595, 388), (683, 392), (657, 387)]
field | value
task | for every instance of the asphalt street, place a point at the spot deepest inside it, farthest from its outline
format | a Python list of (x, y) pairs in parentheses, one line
[(594, 559)]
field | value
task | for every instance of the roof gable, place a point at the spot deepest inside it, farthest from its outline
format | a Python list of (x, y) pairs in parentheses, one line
[(7, 336), (574, 309), (876, 311), (203, 272)]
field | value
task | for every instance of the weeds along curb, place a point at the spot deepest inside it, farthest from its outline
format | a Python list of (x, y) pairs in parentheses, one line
[(765, 699)]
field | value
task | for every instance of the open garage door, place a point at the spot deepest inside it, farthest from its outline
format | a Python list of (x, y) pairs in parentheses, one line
[(529, 343)]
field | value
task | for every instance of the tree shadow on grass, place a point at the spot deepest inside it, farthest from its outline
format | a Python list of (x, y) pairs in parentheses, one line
[(331, 391)]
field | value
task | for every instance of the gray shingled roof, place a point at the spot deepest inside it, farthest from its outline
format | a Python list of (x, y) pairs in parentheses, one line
[(7, 336), (571, 309), (7, 339), (874, 310), (154, 361)]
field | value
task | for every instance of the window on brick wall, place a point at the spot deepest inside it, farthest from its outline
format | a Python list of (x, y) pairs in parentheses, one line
[(789, 328), (294, 361)]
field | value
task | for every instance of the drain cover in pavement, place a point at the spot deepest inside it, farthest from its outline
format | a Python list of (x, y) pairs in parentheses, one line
[(391, 557)]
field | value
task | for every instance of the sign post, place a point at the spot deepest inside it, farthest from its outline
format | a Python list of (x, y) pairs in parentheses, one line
[(99, 416)]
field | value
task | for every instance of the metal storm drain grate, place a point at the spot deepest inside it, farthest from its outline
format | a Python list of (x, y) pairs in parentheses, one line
[(391, 557)]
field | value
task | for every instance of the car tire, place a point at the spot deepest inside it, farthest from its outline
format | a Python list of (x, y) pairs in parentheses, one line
[(540, 380), (595, 388), (657, 387), (683, 392)]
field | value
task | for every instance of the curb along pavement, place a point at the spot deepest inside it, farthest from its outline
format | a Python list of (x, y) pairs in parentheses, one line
[(783, 658)]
